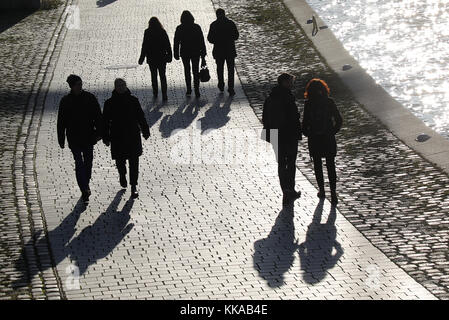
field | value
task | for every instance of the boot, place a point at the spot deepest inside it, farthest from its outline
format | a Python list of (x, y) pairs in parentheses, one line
[(134, 193)]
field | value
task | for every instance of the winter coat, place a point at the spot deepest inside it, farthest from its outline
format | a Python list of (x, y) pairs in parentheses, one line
[(156, 47), (223, 33), (321, 122), (280, 112), (124, 121), (189, 41), (79, 117)]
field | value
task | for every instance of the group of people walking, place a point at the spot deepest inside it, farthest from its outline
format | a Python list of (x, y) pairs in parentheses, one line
[(122, 122), (189, 45)]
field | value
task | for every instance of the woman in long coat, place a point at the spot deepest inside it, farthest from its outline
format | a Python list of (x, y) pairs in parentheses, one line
[(321, 122), (124, 121), (189, 45), (156, 48)]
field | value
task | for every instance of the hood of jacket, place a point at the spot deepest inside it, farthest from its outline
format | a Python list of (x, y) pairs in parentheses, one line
[(280, 91)]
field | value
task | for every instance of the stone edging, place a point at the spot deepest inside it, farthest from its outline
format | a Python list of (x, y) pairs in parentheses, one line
[(31, 210), (399, 120)]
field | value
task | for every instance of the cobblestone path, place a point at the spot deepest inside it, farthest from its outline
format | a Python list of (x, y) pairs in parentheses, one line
[(398, 201), (207, 227)]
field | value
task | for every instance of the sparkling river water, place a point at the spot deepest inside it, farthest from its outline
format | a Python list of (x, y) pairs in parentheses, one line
[(404, 46)]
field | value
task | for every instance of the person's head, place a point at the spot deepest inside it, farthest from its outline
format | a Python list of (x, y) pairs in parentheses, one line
[(120, 86), (155, 24), (316, 88), (286, 80), (75, 84), (187, 17), (220, 13)]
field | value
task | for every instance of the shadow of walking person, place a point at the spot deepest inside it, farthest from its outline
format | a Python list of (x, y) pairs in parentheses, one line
[(98, 240), (59, 237), (274, 255), (216, 117), (181, 118), (316, 253), (154, 115)]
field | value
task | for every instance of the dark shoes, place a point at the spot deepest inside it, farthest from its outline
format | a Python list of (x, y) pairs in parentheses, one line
[(231, 92), (85, 196), (123, 182), (197, 93), (164, 98), (189, 92), (290, 196), (221, 88), (321, 194), (134, 193)]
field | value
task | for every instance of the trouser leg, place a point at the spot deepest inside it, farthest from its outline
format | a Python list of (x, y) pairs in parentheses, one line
[(220, 72), (230, 64), (88, 157), (331, 172), (80, 169), (121, 166), (162, 69), (187, 75), (290, 170), (133, 170), (154, 85), (196, 72), (318, 168)]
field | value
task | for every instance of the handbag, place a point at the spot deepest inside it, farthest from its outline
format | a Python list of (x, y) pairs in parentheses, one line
[(204, 72)]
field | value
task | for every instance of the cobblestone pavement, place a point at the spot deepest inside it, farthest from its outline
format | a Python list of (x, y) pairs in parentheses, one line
[(203, 226), (397, 200), (27, 42)]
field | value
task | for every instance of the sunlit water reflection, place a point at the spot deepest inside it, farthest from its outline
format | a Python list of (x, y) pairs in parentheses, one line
[(404, 46)]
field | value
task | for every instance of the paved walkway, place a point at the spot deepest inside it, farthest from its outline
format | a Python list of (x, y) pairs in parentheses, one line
[(208, 229)]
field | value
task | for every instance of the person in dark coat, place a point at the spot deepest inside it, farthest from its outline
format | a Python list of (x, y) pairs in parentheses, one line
[(156, 48), (189, 45), (222, 34), (124, 121), (321, 122), (281, 116), (79, 118)]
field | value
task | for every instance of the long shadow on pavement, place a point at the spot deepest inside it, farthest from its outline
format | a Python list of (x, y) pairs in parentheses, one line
[(98, 240), (9, 18), (104, 3), (315, 252), (216, 117), (62, 234), (274, 255), (182, 117)]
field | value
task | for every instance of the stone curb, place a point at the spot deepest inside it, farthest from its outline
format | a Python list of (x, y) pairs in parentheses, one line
[(399, 120)]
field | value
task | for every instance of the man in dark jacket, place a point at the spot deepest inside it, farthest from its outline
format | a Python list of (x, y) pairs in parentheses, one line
[(79, 117), (124, 121), (281, 116), (222, 34)]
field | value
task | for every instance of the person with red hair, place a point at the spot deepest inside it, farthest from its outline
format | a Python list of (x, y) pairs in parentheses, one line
[(321, 122)]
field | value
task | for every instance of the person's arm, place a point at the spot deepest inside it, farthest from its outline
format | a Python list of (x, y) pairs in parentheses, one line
[(211, 34), (106, 123), (176, 43), (235, 32), (98, 118), (168, 48), (144, 48), (141, 120), (203, 52), (61, 126), (306, 120), (337, 117), (298, 120)]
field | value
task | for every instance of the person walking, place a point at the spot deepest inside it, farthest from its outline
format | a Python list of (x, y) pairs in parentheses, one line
[(222, 34), (156, 48), (321, 122), (124, 121), (280, 115), (79, 118), (189, 45)]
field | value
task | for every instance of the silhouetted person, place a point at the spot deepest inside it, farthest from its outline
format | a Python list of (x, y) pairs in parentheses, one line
[(281, 114), (79, 117), (321, 122), (189, 45), (223, 33), (124, 121), (156, 48)]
